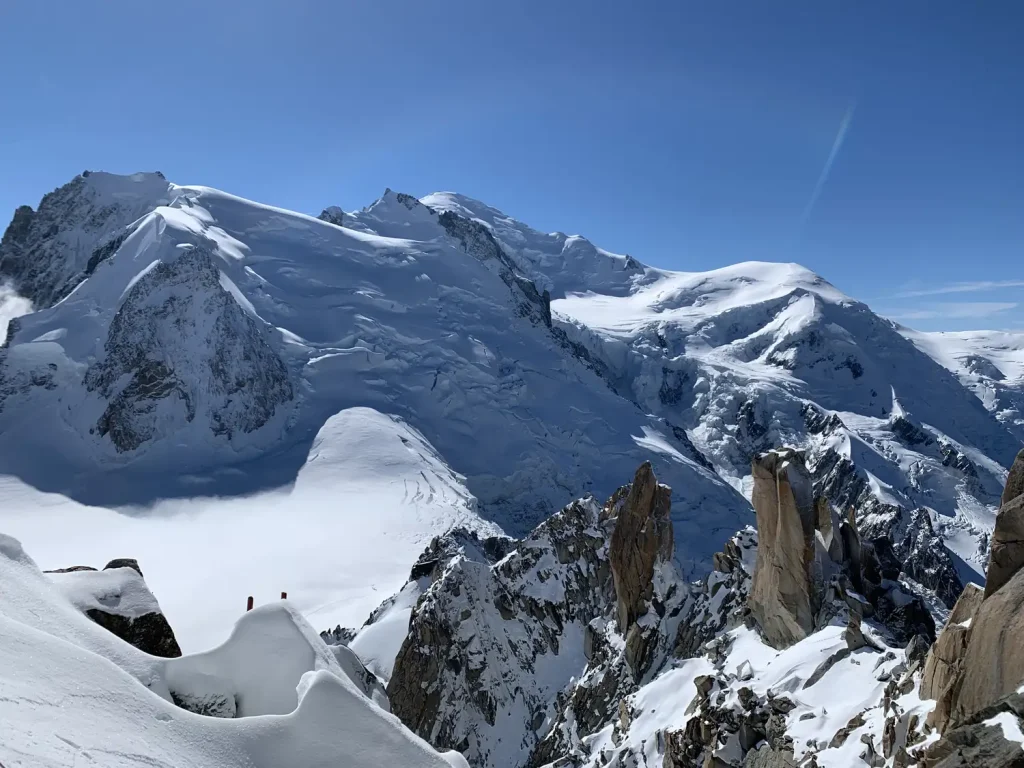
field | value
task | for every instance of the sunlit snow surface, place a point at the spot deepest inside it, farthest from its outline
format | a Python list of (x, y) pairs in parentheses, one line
[(74, 694)]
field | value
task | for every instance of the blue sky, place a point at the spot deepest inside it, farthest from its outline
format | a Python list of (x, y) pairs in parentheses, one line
[(688, 134)]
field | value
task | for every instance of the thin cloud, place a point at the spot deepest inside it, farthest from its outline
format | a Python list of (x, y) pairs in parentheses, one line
[(954, 310), (837, 144), (981, 285)]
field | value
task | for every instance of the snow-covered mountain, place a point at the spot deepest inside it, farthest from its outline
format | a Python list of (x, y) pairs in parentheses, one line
[(188, 342), (250, 399)]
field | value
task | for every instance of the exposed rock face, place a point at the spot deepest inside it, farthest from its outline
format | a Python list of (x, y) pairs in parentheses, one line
[(1015, 480), (924, 558), (1007, 553), (125, 562), (943, 666), (478, 241), (47, 252), (994, 663), (150, 633), (980, 741), (814, 568), (180, 345), (642, 536), (338, 636), (502, 627), (476, 665), (719, 602), (905, 543), (332, 215), (978, 661), (754, 731), (782, 595)]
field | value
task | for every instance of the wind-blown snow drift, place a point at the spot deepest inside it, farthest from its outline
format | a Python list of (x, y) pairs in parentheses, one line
[(72, 693)]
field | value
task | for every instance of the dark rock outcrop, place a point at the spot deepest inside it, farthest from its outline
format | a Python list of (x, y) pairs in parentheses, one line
[(903, 542), (478, 241), (484, 626), (125, 562), (338, 636), (150, 633), (180, 345), (642, 536), (111, 607), (495, 616), (46, 252), (754, 731)]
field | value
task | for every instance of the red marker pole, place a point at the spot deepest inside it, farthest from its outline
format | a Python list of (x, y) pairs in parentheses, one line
[(248, 603)]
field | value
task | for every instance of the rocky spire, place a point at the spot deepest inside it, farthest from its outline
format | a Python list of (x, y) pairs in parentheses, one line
[(1007, 553), (642, 536), (782, 594)]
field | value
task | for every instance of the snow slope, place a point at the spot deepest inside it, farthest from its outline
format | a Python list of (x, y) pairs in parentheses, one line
[(370, 496), (71, 693), (989, 363)]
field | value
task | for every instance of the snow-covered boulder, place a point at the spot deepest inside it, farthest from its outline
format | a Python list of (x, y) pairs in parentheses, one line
[(332, 215), (118, 599)]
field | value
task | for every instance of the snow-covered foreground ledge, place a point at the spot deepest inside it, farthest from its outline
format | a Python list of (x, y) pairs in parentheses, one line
[(72, 693)]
